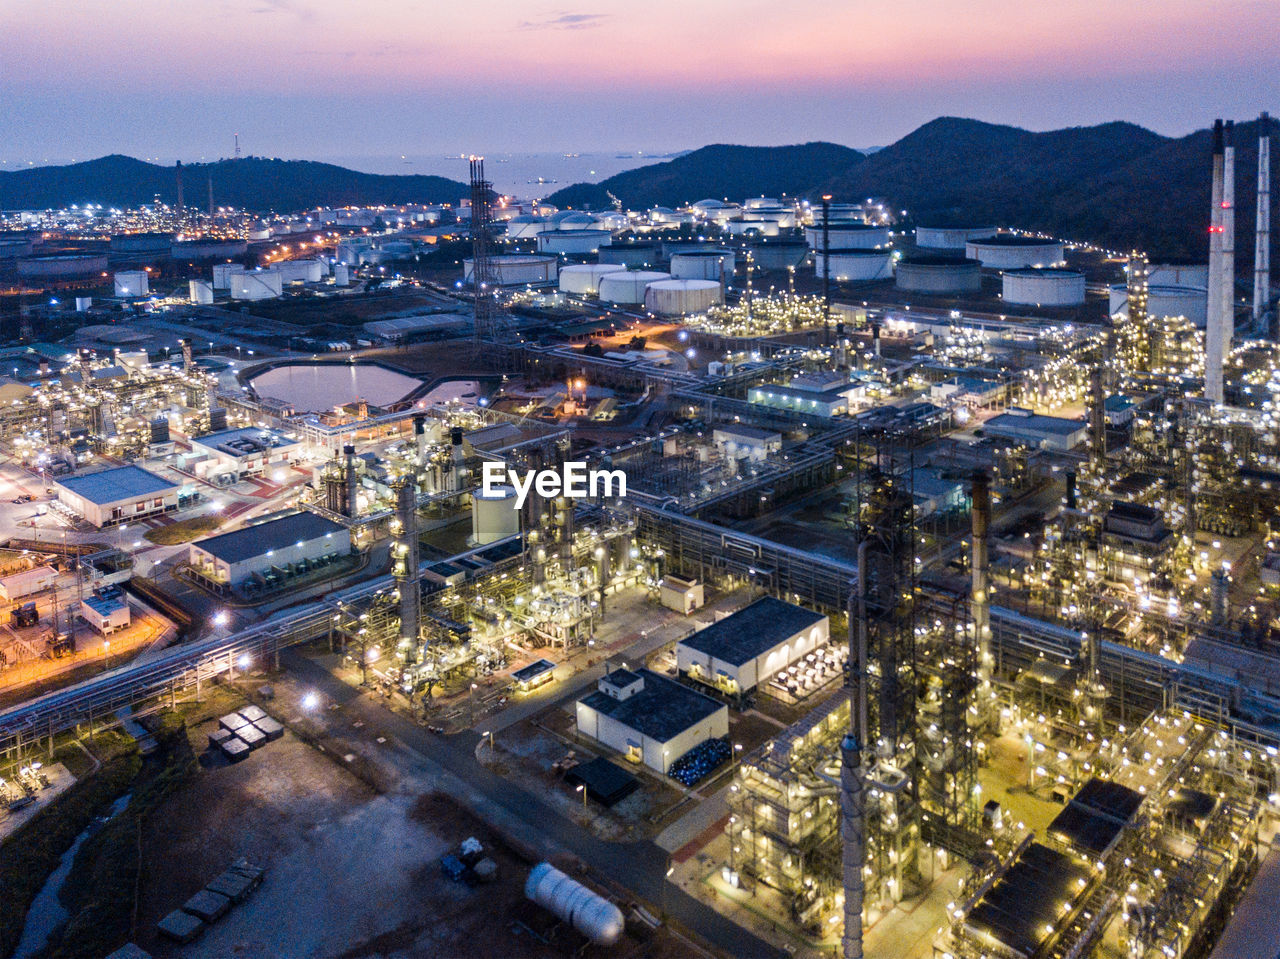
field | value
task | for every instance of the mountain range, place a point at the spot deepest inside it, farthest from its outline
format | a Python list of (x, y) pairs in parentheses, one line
[(1115, 184)]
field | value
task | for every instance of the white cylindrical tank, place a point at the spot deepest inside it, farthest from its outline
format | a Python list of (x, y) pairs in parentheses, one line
[(1006, 251), (612, 220), (494, 517), (584, 278), (207, 249), (1167, 301), (259, 231), (591, 914), (847, 235), (679, 297), (1044, 286), (258, 285), (517, 269), (131, 283), (760, 202), (626, 287), (300, 271), (62, 266), (633, 256), (950, 237), (703, 265), (855, 265), (525, 226), (575, 220), (341, 274), (572, 241), (1178, 274), (223, 272), (201, 292), (752, 227), (922, 273)]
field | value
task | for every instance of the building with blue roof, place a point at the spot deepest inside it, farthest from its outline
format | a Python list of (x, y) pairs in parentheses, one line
[(120, 495)]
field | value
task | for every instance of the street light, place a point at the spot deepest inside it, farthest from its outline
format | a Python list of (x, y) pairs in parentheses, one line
[(489, 734), (582, 789)]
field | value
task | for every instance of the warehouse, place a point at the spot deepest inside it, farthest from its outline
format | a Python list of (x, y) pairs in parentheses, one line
[(825, 403), (747, 442), (117, 495), (741, 651), (250, 451), (1041, 432), (649, 718), (274, 549)]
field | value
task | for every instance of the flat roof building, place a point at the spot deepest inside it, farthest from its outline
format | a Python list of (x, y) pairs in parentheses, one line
[(650, 718), (249, 451), (1041, 432), (113, 496), (744, 649), (265, 556)]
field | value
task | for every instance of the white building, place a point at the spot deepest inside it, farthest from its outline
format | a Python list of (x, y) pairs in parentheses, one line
[(743, 650), (650, 718), (105, 614), (682, 595), (19, 585), (290, 543), (250, 451), (118, 495), (1038, 432), (747, 442)]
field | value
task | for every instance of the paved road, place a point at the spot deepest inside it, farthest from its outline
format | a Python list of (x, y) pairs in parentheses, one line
[(638, 866)]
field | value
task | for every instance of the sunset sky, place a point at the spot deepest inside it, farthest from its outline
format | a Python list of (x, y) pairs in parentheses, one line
[(304, 78)]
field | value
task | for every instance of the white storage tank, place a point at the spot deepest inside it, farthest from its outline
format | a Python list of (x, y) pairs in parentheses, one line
[(341, 274), (778, 254), (626, 288), (572, 241), (703, 265), (591, 914), (223, 272), (1166, 301), (1043, 286), (300, 271), (950, 237), (525, 226), (517, 269), (256, 285), (1006, 251), (922, 273), (208, 249), (258, 231), (852, 266), (1178, 274), (681, 297), (633, 256), (201, 292), (62, 267), (848, 235), (760, 203), (131, 283), (494, 517), (752, 228), (584, 278)]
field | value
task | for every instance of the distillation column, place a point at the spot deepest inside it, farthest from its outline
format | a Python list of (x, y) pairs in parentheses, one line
[(1214, 327), (1262, 240), (405, 569), (1228, 275), (349, 475), (853, 797), (979, 600)]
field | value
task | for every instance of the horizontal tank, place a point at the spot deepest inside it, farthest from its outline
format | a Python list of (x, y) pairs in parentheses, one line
[(256, 285), (633, 256), (1006, 251), (584, 278), (591, 914), (703, 264), (847, 235), (494, 517), (627, 288), (201, 292), (131, 283), (938, 274), (67, 266), (851, 266), (682, 297), (1043, 286), (517, 269), (208, 249), (572, 241), (1168, 301)]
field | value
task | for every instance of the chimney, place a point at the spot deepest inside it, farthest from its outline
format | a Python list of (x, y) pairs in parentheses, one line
[(178, 170), (1213, 340), (1262, 240), (979, 600), (349, 474), (1228, 241)]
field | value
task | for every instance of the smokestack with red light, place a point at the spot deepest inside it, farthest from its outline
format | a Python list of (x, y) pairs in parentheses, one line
[(1214, 332), (1262, 240), (1228, 240)]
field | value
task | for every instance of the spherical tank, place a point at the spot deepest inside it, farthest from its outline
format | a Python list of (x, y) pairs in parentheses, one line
[(855, 265), (1043, 286), (584, 278), (494, 517), (627, 287), (680, 297), (703, 264)]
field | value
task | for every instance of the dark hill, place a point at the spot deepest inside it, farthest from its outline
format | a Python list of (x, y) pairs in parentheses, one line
[(251, 183), (716, 172)]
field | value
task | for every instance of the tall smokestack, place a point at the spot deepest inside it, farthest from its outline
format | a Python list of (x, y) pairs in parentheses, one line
[(826, 267), (1213, 339), (1228, 241), (1262, 240), (178, 171)]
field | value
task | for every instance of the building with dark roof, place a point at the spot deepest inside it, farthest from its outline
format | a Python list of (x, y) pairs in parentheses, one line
[(744, 649), (287, 545), (114, 496), (650, 718)]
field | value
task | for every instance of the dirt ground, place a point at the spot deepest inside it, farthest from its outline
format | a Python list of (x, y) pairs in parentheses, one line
[(350, 873)]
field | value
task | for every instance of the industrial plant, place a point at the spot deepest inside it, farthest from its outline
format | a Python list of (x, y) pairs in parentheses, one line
[(759, 576)]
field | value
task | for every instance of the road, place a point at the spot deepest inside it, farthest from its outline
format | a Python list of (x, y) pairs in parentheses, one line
[(640, 867)]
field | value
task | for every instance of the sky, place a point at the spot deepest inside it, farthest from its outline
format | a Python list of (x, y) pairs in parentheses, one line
[(175, 79)]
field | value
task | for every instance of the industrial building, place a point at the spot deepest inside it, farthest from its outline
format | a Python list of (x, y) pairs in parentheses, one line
[(649, 718), (118, 495), (248, 451), (269, 552), (105, 614), (1037, 431)]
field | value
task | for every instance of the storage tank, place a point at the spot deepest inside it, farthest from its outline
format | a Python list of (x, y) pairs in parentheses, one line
[(938, 274), (574, 220), (1178, 274), (592, 915), (257, 285), (142, 244), (703, 265), (1005, 251), (259, 231), (201, 292), (208, 249), (634, 256), (759, 203), (751, 228), (847, 235), (1165, 301), (494, 517), (1043, 286), (223, 272), (785, 217), (11, 247), (612, 220), (950, 237), (131, 283), (300, 271), (852, 266), (627, 287), (572, 241), (584, 278), (681, 297), (517, 269), (62, 267), (525, 226), (778, 254), (341, 274)]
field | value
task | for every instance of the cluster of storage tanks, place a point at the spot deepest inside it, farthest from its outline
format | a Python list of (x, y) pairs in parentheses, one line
[(661, 293)]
